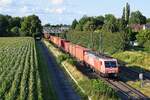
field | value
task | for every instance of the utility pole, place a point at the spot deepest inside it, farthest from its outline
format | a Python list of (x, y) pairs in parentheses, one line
[(92, 42), (65, 35), (100, 43)]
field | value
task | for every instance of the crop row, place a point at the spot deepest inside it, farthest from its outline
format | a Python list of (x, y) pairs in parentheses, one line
[(19, 74)]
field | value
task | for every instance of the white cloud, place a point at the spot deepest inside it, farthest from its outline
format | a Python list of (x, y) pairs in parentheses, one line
[(24, 9), (5, 2), (57, 1), (57, 10)]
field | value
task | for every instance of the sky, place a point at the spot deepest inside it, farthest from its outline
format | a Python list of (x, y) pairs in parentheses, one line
[(65, 11)]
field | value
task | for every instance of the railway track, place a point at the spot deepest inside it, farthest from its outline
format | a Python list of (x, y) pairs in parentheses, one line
[(125, 91)]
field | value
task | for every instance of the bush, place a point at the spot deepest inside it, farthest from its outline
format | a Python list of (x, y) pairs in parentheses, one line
[(102, 88), (147, 45), (143, 39), (62, 58), (71, 61)]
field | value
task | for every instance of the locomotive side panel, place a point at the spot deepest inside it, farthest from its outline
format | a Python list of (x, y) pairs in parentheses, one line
[(93, 61)]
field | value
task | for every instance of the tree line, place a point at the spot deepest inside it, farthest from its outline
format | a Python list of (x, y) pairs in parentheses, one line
[(109, 22), (20, 26), (112, 34)]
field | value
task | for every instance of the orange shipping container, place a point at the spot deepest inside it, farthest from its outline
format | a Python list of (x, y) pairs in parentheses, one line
[(72, 49), (79, 52), (52, 39), (59, 42), (56, 40)]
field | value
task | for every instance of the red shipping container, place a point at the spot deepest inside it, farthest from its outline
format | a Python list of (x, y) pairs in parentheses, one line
[(79, 52), (66, 45), (62, 43)]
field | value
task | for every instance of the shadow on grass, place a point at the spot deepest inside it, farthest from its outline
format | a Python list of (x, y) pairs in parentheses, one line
[(131, 73)]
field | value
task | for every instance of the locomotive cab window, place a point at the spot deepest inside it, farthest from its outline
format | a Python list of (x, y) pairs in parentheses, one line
[(109, 64)]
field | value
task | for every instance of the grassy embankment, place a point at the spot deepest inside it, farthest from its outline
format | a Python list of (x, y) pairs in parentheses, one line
[(47, 88), (139, 61), (94, 88)]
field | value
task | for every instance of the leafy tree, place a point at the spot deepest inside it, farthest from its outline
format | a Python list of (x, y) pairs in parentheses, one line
[(114, 42), (84, 19), (74, 24), (121, 25), (16, 21), (137, 18), (143, 37), (47, 25), (123, 14), (98, 21), (31, 26), (110, 23), (148, 20), (107, 42), (79, 27), (131, 34), (147, 46), (3, 25), (13, 22), (82, 22), (127, 12), (15, 31), (123, 22), (89, 26)]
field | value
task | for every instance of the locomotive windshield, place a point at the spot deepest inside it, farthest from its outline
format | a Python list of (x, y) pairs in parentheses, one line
[(109, 64)]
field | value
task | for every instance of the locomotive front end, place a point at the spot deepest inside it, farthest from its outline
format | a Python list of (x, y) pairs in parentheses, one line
[(111, 67)]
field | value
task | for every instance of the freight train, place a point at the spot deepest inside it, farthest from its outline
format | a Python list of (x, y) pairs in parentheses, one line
[(100, 63)]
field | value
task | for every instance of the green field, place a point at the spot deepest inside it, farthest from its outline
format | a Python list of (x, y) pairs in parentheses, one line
[(20, 70)]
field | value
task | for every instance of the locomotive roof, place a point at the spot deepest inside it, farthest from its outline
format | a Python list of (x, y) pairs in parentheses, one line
[(99, 55)]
